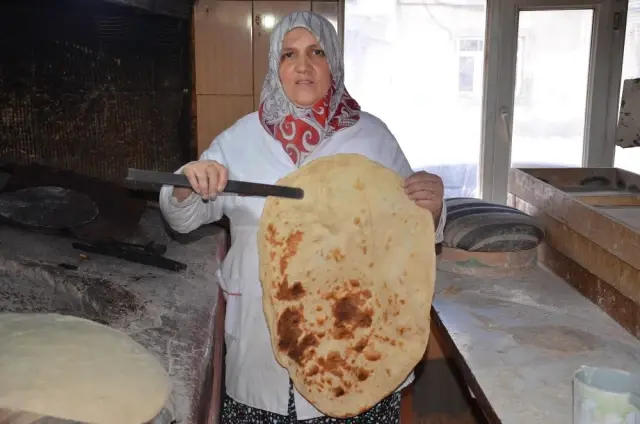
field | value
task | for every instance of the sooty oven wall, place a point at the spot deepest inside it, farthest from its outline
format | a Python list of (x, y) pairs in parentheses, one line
[(93, 87)]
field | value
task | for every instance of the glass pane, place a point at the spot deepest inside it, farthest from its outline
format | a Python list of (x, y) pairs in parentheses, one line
[(630, 158), (471, 45), (554, 47), (465, 81), (418, 66)]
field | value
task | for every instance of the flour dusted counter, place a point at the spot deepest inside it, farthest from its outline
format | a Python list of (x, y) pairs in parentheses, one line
[(518, 340), (171, 314)]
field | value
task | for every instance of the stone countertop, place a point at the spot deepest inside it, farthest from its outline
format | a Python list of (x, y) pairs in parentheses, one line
[(170, 313), (519, 340)]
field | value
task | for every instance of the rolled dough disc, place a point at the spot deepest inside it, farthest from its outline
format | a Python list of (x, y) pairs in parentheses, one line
[(76, 369), (19, 417)]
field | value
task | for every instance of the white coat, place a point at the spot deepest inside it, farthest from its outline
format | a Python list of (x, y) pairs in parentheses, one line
[(253, 376)]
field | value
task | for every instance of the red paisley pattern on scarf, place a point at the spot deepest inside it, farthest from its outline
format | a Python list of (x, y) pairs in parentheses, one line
[(300, 136)]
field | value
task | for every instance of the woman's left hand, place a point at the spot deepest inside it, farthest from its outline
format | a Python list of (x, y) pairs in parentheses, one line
[(427, 191)]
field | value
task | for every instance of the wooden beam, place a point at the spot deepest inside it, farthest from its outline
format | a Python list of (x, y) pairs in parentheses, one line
[(619, 307), (630, 199), (585, 252), (605, 233)]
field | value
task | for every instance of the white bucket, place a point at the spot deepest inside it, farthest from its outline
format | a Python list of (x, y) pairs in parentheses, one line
[(606, 396)]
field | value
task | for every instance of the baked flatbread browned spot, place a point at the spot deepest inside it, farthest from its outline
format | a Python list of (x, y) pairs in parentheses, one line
[(348, 276)]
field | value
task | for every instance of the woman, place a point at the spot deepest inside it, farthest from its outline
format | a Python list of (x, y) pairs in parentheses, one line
[(305, 113)]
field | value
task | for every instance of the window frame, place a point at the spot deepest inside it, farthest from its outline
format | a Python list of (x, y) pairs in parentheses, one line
[(605, 66), (499, 83)]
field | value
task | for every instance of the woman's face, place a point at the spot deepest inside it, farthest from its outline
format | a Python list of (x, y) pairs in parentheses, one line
[(304, 70)]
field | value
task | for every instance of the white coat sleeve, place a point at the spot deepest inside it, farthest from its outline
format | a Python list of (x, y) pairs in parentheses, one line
[(192, 212), (400, 164)]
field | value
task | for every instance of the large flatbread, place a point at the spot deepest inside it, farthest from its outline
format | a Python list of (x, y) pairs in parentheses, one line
[(348, 276), (76, 369)]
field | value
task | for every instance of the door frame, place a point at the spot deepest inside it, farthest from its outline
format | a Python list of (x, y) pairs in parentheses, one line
[(605, 68)]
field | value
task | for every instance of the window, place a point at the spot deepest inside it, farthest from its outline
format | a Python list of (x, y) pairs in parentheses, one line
[(466, 74), (470, 51), (403, 63), (419, 65), (470, 64), (633, 40), (553, 117)]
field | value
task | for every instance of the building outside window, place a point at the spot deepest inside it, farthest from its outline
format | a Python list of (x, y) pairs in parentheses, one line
[(471, 65)]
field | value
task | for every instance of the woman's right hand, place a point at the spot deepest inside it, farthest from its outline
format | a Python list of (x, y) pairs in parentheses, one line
[(207, 178)]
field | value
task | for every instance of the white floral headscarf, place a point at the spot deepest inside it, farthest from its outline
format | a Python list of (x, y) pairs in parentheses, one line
[(302, 129)]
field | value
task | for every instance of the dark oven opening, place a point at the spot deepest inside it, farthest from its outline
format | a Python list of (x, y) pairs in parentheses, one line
[(94, 87)]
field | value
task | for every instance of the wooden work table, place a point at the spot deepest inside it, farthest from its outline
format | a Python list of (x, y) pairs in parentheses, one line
[(517, 342)]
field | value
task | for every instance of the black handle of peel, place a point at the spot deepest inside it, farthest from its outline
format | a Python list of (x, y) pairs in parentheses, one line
[(236, 187)]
